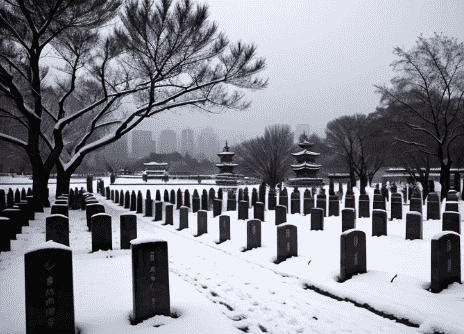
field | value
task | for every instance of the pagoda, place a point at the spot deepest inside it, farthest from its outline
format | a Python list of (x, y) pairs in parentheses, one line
[(155, 170), (306, 168), (226, 176)]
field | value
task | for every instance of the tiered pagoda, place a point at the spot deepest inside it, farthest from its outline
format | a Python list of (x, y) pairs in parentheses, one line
[(306, 168), (226, 176)]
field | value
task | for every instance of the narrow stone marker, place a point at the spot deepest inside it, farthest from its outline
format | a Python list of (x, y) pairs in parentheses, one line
[(317, 219), (379, 202), (23, 194), (17, 195), (158, 211), (308, 202), (224, 228), (211, 197), (173, 197), (60, 209), (280, 214), (148, 208), (183, 218), (272, 199), (242, 210), (166, 196), (217, 207), (2, 200), (9, 199), (133, 201), (446, 260), (128, 229), (57, 229), (379, 222), (254, 196), (30, 210), (348, 219), (90, 210), (121, 198), (150, 279), (452, 206), (352, 254), (364, 206), (112, 195), (187, 198), (253, 234), (295, 202), (107, 192), (414, 226), (204, 200), (415, 204), (139, 202), (127, 200), (179, 199), (287, 242), (321, 202), (451, 221), (23, 207), (452, 196), (71, 199), (169, 220), (116, 197), (396, 206), (101, 232), (202, 222), (349, 201), (158, 195), (195, 202), (334, 206), (231, 200), (283, 198), (258, 211), (433, 206), (5, 226), (49, 289)]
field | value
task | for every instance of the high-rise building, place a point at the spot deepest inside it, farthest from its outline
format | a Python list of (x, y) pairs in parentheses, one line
[(208, 144), (141, 143), (187, 142), (167, 142)]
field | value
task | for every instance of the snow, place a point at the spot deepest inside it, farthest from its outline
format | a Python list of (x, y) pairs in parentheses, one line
[(139, 241), (57, 215), (47, 245), (349, 231), (217, 288), (415, 213), (439, 235)]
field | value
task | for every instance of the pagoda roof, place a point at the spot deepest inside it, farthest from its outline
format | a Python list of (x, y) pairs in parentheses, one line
[(305, 152), (225, 153), (155, 163), (306, 165), (305, 143), (225, 164)]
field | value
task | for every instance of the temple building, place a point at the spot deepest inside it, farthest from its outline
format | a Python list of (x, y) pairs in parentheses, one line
[(155, 170), (226, 176), (306, 168)]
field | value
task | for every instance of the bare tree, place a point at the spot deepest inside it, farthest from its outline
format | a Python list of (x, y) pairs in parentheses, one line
[(268, 157), (430, 87), (158, 56)]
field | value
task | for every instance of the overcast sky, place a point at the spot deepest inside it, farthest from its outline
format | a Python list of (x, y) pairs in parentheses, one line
[(323, 57)]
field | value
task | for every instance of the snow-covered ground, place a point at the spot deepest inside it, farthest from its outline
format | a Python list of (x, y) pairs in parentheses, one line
[(219, 288)]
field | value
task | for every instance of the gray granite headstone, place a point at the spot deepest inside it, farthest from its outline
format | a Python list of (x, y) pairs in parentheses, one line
[(253, 234), (183, 217), (396, 206), (334, 206), (242, 210), (317, 219), (287, 242), (446, 260), (452, 206), (202, 222), (128, 229), (90, 210), (217, 207), (433, 206), (258, 211), (364, 206), (379, 222), (101, 232), (158, 211), (5, 226), (280, 214), (224, 228), (414, 226), (169, 220), (57, 229), (60, 209), (379, 202), (451, 221), (348, 219), (415, 204), (352, 254), (295, 202)]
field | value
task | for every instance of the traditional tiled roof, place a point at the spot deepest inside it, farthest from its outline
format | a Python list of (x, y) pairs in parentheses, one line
[(306, 165), (305, 152)]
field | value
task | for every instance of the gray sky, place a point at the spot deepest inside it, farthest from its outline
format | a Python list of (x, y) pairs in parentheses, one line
[(323, 57)]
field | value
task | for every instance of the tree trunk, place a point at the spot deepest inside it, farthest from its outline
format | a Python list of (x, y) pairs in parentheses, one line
[(363, 183), (63, 180), (445, 178), (352, 176)]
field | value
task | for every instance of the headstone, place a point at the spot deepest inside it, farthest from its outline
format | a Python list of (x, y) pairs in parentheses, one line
[(231, 200), (158, 196), (169, 220), (148, 208), (287, 242), (173, 197), (133, 201), (101, 232), (166, 196), (415, 204), (254, 196), (112, 195), (179, 199), (116, 197), (158, 211), (127, 200), (90, 210), (433, 206), (128, 229), (452, 206), (246, 196), (23, 207), (379, 202), (457, 181), (352, 254), (202, 222), (283, 198), (90, 183), (6, 227), (446, 260), (414, 226), (379, 222), (243, 210), (108, 193), (9, 199), (451, 221), (204, 200), (396, 206), (317, 219), (195, 202), (272, 199), (321, 202), (349, 201), (240, 195), (262, 192), (334, 206), (71, 200), (17, 196), (308, 202), (30, 210), (253, 234), (451, 196), (217, 207), (220, 193), (384, 192), (364, 206), (49, 289), (259, 211), (348, 219), (187, 198), (121, 198), (29, 191), (60, 209), (295, 202), (224, 228), (211, 197), (57, 229), (183, 218), (2, 200), (139, 202), (150, 279), (280, 214)]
